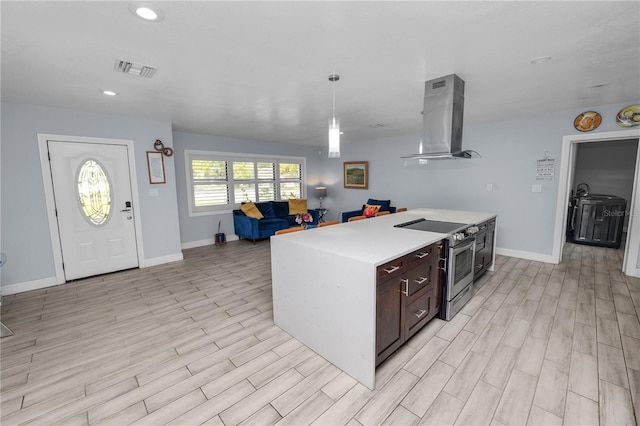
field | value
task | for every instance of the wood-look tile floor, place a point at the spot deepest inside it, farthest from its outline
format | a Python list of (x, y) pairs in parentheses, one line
[(193, 342)]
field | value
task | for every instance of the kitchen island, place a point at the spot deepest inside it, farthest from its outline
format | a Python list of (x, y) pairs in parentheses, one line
[(324, 282)]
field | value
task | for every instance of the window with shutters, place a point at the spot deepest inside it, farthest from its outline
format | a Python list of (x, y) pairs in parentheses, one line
[(220, 182)]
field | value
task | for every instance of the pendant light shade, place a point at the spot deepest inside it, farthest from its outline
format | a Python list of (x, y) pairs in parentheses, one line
[(334, 123), (334, 138)]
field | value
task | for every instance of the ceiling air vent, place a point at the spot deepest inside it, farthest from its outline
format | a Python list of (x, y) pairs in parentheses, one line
[(134, 69)]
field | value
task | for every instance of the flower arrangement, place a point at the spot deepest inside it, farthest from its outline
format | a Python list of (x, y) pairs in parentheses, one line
[(304, 219)]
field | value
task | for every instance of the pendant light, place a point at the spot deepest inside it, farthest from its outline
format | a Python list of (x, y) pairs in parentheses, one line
[(334, 123)]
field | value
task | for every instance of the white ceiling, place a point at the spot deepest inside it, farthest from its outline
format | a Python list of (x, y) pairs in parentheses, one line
[(259, 70)]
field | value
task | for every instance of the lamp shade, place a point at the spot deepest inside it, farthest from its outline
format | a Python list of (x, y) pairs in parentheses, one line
[(321, 192), (334, 138)]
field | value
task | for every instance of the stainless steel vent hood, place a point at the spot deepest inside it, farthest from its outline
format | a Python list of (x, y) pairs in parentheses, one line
[(442, 120)]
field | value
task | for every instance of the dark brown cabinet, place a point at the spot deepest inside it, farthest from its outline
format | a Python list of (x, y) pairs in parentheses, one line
[(484, 247), (409, 293)]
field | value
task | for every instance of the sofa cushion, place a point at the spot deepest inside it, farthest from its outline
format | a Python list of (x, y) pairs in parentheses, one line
[(266, 208), (384, 204), (297, 206), (273, 224), (251, 210), (280, 208)]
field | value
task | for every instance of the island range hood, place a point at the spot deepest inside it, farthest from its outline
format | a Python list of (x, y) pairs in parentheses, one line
[(442, 120)]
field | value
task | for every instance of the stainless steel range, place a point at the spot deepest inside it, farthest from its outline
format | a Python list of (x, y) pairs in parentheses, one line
[(458, 287)]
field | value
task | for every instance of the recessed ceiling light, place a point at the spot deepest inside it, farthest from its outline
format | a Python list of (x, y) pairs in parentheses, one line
[(146, 11), (540, 60), (109, 92)]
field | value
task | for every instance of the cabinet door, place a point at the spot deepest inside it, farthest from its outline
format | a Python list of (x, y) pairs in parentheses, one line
[(390, 308)]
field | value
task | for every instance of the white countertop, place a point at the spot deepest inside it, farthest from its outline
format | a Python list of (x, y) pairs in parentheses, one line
[(375, 240)]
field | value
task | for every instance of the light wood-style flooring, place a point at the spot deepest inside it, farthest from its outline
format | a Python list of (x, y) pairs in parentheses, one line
[(193, 342)]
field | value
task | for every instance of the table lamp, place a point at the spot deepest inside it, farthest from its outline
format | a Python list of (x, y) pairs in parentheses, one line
[(321, 193)]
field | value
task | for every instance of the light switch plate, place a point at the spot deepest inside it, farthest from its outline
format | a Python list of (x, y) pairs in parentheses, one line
[(153, 192), (489, 187), (536, 188)]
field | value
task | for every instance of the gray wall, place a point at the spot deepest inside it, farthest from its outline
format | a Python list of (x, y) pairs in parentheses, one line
[(608, 168), (509, 152), (25, 228), (199, 228)]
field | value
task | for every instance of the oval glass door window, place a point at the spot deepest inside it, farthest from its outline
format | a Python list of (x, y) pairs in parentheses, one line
[(94, 192)]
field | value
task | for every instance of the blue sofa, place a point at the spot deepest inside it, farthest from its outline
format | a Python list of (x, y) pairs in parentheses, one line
[(276, 217), (385, 206)]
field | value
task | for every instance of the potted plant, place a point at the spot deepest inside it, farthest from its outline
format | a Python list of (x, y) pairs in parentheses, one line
[(220, 238)]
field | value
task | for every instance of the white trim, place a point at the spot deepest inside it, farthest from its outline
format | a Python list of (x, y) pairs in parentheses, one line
[(53, 281), (146, 263), (635, 273), (241, 154), (566, 170), (29, 285), (206, 242), (538, 257), (43, 138)]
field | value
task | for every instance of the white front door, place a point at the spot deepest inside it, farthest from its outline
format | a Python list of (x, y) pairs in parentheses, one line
[(92, 191)]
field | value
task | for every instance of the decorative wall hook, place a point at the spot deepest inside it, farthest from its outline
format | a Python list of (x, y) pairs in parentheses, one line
[(159, 146)]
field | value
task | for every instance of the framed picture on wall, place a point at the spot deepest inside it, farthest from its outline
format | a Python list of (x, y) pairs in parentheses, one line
[(356, 174), (155, 162)]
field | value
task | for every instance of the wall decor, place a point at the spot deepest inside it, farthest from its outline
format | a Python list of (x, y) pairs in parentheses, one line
[(159, 146), (155, 163), (587, 121), (356, 174), (629, 116)]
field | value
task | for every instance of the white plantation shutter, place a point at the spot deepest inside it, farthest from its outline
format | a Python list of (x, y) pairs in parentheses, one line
[(210, 183), (290, 180), (221, 181)]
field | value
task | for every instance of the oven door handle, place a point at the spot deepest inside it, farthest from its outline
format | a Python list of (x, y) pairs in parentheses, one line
[(460, 248)]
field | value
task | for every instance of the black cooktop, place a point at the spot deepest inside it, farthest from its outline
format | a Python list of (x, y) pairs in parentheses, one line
[(433, 226)]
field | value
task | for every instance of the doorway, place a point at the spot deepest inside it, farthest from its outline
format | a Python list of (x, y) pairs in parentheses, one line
[(570, 147), (91, 196)]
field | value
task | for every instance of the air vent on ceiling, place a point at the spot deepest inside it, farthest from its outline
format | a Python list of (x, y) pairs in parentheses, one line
[(134, 69)]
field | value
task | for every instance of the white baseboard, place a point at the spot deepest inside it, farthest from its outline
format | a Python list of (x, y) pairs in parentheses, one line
[(538, 257), (51, 281), (206, 242), (160, 260), (28, 286)]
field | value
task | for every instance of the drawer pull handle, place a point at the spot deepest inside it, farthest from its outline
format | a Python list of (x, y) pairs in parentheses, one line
[(422, 255), (391, 269), (406, 287), (479, 265), (421, 280), (420, 313), (440, 247)]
